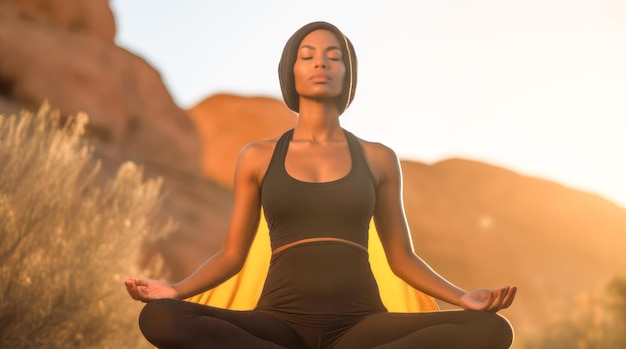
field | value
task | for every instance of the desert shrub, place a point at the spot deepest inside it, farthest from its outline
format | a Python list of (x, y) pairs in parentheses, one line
[(593, 321), (616, 305), (67, 241)]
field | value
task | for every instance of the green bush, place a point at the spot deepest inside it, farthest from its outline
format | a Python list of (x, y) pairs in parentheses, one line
[(67, 242)]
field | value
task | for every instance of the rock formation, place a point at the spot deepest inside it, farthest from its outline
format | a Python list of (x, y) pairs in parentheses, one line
[(63, 52), (227, 122)]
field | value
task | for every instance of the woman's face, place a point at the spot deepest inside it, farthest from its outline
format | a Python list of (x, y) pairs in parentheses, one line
[(319, 70)]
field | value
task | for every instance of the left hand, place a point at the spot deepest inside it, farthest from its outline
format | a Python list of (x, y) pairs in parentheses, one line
[(489, 300)]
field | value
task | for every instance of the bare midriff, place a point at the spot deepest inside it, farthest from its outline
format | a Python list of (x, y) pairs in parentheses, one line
[(306, 241)]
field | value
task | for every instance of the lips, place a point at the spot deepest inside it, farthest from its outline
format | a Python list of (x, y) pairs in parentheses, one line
[(320, 77)]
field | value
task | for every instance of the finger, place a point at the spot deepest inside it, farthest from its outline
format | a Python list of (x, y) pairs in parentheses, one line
[(510, 297), (141, 282), (137, 290), (495, 303), (131, 288), (502, 293), (506, 300), (489, 302), (142, 292)]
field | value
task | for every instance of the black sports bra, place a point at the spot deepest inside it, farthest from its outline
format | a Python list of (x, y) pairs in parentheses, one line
[(297, 210)]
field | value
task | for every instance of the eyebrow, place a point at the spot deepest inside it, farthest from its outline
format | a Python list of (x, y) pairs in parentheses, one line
[(327, 49)]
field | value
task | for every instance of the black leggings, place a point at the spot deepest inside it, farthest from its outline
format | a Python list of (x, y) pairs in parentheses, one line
[(169, 323)]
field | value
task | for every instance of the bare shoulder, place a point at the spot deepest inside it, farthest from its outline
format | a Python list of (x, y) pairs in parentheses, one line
[(257, 148), (382, 160), (378, 153), (255, 157)]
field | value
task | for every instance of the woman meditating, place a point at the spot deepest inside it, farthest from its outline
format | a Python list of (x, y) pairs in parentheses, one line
[(319, 187)]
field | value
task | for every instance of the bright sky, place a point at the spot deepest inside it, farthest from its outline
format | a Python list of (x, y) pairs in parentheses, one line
[(536, 86)]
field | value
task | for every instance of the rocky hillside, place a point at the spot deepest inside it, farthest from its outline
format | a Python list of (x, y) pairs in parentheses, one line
[(226, 123), (482, 225), (63, 52)]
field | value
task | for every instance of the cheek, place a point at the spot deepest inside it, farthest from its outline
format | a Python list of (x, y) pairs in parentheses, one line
[(298, 74), (341, 73), (340, 77)]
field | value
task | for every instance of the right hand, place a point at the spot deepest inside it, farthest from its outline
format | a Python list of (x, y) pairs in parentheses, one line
[(149, 290)]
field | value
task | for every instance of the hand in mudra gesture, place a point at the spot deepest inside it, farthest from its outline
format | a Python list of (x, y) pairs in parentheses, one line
[(149, 290), (489, 300)]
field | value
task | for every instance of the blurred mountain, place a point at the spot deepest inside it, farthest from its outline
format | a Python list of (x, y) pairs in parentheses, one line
[(477, 224), (485, 226), (227, 122)]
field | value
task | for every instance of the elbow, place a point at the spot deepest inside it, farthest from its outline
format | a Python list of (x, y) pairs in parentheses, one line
[(394, 265), (232, 261), (398, 270), (401, 263), (238, 265)]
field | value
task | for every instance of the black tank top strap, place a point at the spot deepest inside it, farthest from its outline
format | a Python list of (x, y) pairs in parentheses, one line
[(356, 152), (283, 144), (280, 152), (279, 155)]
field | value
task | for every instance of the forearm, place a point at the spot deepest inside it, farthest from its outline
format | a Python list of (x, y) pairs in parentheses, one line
[(417, 273), (210, 274)]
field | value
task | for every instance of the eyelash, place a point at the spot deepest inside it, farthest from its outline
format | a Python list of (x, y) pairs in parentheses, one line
[(331, 58)]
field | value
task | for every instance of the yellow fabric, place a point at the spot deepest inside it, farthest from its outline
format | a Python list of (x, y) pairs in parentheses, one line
[(242, 291)]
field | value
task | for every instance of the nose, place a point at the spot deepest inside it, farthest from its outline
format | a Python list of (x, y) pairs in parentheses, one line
[(320, 62)]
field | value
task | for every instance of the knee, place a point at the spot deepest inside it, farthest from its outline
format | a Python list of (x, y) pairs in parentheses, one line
[(505, 331), (154, 313), (157, 319), (498, 329)]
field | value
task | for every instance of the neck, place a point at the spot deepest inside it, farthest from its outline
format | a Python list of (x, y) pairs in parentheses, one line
[(317, 120)]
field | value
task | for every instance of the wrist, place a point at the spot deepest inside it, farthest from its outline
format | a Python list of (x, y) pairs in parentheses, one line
[(178, 293), (458, 298)]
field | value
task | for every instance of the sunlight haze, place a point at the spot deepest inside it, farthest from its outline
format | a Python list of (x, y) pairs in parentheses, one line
[(538, 87)]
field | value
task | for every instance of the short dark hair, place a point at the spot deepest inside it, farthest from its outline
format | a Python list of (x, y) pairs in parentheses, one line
[(288, 59)]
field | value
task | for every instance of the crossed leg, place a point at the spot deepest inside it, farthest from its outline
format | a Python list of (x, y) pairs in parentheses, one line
[(170, 323), (432, 330)]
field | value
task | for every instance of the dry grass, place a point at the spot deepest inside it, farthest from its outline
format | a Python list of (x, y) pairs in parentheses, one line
[(66, 242)]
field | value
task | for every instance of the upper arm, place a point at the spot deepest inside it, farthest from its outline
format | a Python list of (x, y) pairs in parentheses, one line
[(389, 215), (245, 215)]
